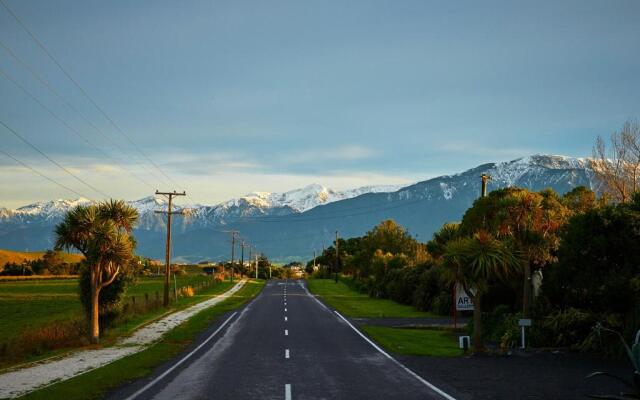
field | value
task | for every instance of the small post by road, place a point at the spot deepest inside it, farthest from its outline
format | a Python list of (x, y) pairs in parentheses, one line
[(256, 266), (169, 213)]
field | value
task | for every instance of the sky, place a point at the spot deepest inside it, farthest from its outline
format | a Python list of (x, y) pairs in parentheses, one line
[(222, 98)]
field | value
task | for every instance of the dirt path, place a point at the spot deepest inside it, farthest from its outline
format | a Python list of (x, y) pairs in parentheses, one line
[(22, 381)]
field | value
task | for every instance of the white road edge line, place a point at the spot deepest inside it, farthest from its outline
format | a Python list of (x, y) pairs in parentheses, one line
[(286, 353), (314, 297), (398, 363), (176, 365), (287, 391)]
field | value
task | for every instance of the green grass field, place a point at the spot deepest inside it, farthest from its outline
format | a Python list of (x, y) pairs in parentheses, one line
[(26, 306), (418, 342), (351, 303), (94, 384)]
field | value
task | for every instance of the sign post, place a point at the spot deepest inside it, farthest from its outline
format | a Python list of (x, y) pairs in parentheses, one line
[(461, 302), (523, 323)]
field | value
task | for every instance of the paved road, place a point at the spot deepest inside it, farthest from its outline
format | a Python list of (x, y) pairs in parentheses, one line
[(284, 344)]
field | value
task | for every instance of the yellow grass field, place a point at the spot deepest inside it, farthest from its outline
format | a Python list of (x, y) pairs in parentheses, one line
[(7, 256)]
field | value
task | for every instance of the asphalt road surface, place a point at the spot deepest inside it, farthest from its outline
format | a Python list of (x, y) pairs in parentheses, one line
[(285, 344)]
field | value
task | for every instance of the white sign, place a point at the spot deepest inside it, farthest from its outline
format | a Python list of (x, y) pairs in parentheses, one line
[(463, 301)]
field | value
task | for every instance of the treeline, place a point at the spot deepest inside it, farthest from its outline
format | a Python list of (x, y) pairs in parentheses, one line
[(570, 263), (51, 263)]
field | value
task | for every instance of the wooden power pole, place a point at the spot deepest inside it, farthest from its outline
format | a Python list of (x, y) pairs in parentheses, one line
[(485, 178), (169, 212), (233, 250), (242, 245), (337, 258)]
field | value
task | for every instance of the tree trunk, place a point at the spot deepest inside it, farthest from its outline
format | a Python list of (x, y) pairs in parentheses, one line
[(478, 344), (526, 292), (94, 325)]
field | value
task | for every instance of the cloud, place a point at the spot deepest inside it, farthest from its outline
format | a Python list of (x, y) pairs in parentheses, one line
[(343, 153)]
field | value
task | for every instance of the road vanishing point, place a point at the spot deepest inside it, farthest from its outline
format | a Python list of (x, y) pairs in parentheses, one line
[(285, 344)]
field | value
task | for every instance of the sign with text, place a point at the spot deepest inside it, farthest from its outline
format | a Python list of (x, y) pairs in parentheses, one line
[(463, 301)]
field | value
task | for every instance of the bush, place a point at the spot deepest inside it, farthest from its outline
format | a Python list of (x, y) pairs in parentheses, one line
[(568, 328), (429, 286), (598, 267)]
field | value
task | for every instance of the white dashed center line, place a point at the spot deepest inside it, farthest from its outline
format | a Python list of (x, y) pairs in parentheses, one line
[(287, 391), (285, 318), (286, 353), (286, 332), (285, 310)]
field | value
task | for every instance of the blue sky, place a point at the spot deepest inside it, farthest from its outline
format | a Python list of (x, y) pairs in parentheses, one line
[(230, 97)]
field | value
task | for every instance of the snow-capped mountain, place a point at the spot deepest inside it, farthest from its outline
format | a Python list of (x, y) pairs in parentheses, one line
[(296, 222), (252, 204), (298, 200)]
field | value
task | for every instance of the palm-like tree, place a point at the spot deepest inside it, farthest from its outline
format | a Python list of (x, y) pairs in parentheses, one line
[(476, 262), (533, 221), (102, 233)]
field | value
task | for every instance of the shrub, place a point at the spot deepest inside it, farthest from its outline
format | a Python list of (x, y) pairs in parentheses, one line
[(566, 328), (430, 285)]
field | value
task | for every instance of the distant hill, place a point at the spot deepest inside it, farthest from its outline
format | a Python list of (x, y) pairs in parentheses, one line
[(292, 225), (7, 256)]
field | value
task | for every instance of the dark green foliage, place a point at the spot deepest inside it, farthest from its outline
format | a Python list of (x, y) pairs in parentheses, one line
[(598, 268), (563, 328)]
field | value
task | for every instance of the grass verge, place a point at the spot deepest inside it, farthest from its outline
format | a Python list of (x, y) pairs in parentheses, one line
[(416, 342), (95, 384), (352, 303), (40, 319)]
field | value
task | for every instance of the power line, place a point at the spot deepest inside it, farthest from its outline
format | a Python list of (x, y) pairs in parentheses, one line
[(68, 126), (35, 171), (28, 143), (52, 90), (83, 91)]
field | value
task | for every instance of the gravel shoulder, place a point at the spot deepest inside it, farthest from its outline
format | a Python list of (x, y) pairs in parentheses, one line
[(25, 380)]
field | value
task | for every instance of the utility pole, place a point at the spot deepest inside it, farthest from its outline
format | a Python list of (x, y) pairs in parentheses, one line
[(314, 260), (169, 212), (256, 255), (233, 250), (485, 178), (242, 254), (337, 257)]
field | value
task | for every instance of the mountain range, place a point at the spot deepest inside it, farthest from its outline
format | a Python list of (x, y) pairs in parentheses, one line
[(293, 224)]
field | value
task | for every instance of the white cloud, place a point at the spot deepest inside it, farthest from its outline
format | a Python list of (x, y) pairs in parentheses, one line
[(343, 153)]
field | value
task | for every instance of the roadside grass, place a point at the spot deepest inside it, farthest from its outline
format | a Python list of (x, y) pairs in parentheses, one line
[(352, 303), (95, 384), (41, 318), (417, 342)]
